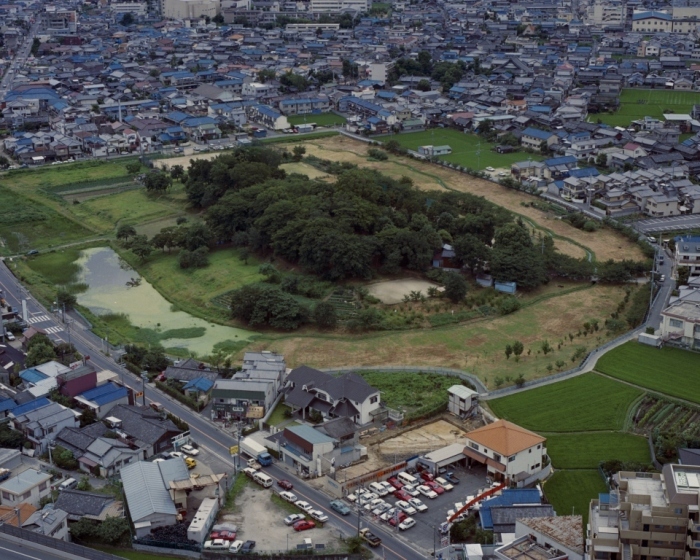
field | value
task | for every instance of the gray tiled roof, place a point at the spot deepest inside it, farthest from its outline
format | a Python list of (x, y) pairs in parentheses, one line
[(144, 425), (80, 503)]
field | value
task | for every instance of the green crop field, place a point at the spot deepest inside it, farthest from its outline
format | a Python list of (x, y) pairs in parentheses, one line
[(583, 403), (667, 370), (574, 489), (639, 103), (321, 119), (587, 450), (468, 150)]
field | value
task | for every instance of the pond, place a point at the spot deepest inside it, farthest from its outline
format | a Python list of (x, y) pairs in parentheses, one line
[(106, 276)]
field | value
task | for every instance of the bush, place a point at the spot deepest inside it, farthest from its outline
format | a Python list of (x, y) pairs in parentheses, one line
[(64, 459), (184, 399), (379, 155), (508, 305)]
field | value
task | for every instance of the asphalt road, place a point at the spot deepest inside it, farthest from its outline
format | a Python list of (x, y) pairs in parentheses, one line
[(205, 433), (673, 223), (28, 551), (20, 58)]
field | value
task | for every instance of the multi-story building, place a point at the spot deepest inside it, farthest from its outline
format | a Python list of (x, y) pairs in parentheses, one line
[(647, 516), (190, 9), (608, 13), (687, 253), (60, 22), (337, 6)]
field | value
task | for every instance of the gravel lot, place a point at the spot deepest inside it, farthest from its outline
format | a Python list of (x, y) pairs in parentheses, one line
[(393, 291), (261, 520)]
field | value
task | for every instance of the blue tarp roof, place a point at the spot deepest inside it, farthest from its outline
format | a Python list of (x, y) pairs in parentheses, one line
[(31, 405), (509, 497), (200, 383), (32, 375), (104, 393), (7, 404)]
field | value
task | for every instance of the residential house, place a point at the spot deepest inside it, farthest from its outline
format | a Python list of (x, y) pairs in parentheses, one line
[(267, 116), (147, 497), (687, 253), (103, 398), (89, 505), (509, 452), (50, 521), (232, 398), (532, 138), (143, 429), (28, 487), (558, 538), (347, 395), (40, 426)]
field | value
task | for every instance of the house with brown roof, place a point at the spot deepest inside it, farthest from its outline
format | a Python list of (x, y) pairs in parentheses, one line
[(510, 453)]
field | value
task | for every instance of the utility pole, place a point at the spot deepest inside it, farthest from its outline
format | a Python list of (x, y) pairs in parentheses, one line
[(144, 376)]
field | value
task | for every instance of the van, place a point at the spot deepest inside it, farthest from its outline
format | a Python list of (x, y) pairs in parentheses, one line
[(262, 479), (378, 488), (407, 478), (67, 484)]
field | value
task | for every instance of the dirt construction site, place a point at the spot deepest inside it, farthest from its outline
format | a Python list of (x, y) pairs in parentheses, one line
[(415, 441)]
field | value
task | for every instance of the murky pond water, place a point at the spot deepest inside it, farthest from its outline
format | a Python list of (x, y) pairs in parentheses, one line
[(107, 275)]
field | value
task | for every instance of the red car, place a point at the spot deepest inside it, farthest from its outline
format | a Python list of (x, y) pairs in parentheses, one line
[(304, 525), (395, 483), (395, 519), (439, 490), (285, 484), (225, 535), (402, 495), (425, 475)]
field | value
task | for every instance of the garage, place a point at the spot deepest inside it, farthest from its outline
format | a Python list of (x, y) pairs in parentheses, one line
[(444, 457)]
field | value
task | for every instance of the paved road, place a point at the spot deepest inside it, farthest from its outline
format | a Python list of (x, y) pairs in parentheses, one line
[(673, 223), (10, 550), (20, 58), (207, 435)]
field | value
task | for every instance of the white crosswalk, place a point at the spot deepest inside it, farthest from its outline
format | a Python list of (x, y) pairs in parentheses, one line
[(38, 319), (53, 330)]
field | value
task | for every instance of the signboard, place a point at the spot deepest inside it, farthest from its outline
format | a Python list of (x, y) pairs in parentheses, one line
[(138, 395), (255, 412), (233, 450), (444, 541)]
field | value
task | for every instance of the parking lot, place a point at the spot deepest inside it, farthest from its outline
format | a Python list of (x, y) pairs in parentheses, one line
[(424, 534)]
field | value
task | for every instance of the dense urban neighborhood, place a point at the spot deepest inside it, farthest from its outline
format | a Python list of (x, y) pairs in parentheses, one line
[(350, 279)]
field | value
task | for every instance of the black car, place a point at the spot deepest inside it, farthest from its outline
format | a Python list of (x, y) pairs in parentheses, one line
[(248, 546), (32, 253), (451, 478)]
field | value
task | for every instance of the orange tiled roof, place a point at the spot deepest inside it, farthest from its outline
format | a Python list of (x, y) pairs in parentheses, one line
[(505, 437)]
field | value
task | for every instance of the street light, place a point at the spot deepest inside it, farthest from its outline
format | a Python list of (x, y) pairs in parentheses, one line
[(144, 376)]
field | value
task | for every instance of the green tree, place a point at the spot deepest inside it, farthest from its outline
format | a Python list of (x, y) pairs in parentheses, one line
[(88, 417), (298, 152), (177, 172), (423, 85), (36, 43), (325, 315), (262, 304), (125, 231), (140, 246), (40, 354), (509, 351), (601, 160), (518, 348), (133, 167), (65, 299), (84, 484), (455, 286), (266, 75), (470, 251), (157, 182), (112, 529), (127, 19), (514, 257), (64, 459)]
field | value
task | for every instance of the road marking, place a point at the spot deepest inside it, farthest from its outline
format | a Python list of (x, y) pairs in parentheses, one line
[(20, 553), (39, 319), (53, 330)]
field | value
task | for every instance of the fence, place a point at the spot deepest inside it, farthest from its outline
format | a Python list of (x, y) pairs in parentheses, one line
[(161, 550), (168, 544), (281, 555), (63, 546), (463, 375)]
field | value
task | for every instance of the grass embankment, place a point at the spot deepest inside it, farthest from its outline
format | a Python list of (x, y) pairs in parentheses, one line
[(636, 104), (670, 371), (583, 420)]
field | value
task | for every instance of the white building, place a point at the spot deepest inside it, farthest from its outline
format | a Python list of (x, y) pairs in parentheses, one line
[(337, 6), (203, 520), (553, 538), (190, 9), (138, 9), (461, 399), (687, 253), (27, 487), (377, 71), (608, 13), (510, 453)]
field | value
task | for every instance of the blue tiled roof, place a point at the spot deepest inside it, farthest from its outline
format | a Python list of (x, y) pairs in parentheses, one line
[(268, 111), (509, 497), (7, 404), (31, 405), (32, 375), (564, 160), (200, 383), (584, 172), (536, 133)]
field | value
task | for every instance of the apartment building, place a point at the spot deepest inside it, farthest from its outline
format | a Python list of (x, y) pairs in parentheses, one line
[(647, 515), (688, 253), (337, 6)]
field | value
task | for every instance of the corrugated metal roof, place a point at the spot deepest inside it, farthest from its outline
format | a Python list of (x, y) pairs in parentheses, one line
[(145, 492)]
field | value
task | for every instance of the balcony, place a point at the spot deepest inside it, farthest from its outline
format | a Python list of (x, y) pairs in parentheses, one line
[(694, 526)]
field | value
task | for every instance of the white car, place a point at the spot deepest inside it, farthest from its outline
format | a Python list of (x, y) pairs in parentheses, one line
[(388, 514), (407, 508), (381, 508), (159, 460), (427, 491), (235, 546), (407, 523), (190, 450), (490, 169), (217, 544), (416, 503), (304, 506), (318, 515), (388, 487), (411, 490), (373, 504), (289, 497), (176, 454), (9, 335), (292, 519), (442, 482)]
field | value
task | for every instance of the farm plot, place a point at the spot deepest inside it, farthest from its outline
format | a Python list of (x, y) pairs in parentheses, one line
[(636, 104), (571, 492), (584, 403), (588, 450), (666, 416), (667, 370)]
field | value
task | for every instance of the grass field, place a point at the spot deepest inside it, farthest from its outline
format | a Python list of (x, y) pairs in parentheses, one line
[(58, 267), (574, 489), (468, 150), (137, 555), (303, 169), (321, 119), (584, 403), (587, 450), (639, 103), (667, 370)]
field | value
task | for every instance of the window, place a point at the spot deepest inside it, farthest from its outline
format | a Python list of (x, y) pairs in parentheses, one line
[(676, 323), (373, 400), (474, 446), (511, 459), (42, 486), (26, 495), (6, 496), (496, 457)]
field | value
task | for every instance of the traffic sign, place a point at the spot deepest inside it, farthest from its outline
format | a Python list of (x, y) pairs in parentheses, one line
[(233, 450)]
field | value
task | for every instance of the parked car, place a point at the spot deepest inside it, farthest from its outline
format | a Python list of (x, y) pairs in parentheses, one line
[(190, 462), (32, 253), (388, 488), (340, 507), (425, 475), (397, 519), (224, 535), (218, 544), (411, 490), (9, 336), (248, 546), (395, 482), (407, 523), (235, 547), (304, 506), (190, 450), (427, 491), (407, 508), (293, 518), (489, 169), (442, 482), (451, 478), (176, 454), (419, 505), (318, 515), (402, 495), (289, 497), (369, 506), (285, 484), (304, 525), (439, 490), (381, 508)]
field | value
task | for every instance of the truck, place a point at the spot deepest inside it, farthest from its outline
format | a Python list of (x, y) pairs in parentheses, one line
[(368, 536), (253, 464), (256, 451)]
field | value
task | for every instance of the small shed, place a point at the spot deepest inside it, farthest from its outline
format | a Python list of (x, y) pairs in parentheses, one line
[(649, 339), (461, 400), (506, 287), (484, 280)]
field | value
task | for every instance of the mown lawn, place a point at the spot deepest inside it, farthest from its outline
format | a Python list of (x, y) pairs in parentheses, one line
[(321, 119), (584, 403), (587, 450), (667, 370), (636, 104), (468, 150), (572, 491)]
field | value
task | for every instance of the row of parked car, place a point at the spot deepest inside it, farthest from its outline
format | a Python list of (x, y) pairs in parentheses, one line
[(223, 537)]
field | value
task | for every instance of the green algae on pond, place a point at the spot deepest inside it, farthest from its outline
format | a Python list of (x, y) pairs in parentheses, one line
[(114, 288)]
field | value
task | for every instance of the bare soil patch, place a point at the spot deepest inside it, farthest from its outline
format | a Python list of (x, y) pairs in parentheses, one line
[(605, 243), (184, 160), (304, 169), (392, 291)]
